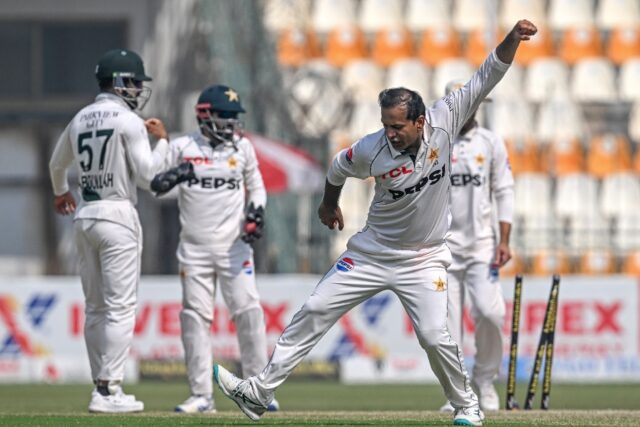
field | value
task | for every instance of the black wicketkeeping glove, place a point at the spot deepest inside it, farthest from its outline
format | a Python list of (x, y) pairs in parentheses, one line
[(165, 181), (254, 224)]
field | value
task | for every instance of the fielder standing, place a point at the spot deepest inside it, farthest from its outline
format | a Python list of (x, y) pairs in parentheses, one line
[(221, 213), (107, 142), (480, 177), (402, 247)]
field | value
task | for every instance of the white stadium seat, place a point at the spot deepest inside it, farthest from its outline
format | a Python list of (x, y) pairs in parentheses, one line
[(594, 80), (421, 15), (365, 119), (447, 70), (620, 195), (617, 13), (576, 196), (533, 210), (545, 79), (634, 122), (512, 118), (363, 79), (328, 15), (377, 15), (412, 74), (469, 15), (514, 10), (564, 14), (559, 118), (629, 80), (510, 87)]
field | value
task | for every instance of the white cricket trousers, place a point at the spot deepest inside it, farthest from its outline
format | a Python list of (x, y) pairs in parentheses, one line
[(487, 310), (110, 272), (232, 271), (420, 283)]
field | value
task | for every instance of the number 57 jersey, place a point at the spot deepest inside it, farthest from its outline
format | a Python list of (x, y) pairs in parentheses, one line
[(109, 147)]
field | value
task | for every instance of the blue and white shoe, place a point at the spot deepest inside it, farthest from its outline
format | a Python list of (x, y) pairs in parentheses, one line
[(197, 405), (274, 406), (239, 391), (470, 416)]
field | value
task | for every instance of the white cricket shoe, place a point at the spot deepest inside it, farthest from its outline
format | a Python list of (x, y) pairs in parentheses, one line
[(447, 408), (239, 391), (488, 397), (114, 403), (470, 416), (197, 405), (274, 406)]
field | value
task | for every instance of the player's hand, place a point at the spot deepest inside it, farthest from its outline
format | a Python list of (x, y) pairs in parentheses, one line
[(156, 128), (64, 204), (503, 255), (330, 216), (254, 224), (523, 30)]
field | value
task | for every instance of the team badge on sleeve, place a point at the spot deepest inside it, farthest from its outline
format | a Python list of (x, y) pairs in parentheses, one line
[(349, 155), (345, 264)]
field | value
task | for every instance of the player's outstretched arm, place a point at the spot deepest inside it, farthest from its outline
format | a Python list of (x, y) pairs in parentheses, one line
[(329, 211), (523, 30), (164, 182)]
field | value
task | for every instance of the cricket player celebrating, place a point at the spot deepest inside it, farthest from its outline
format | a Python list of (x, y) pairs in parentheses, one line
[(402, 246), (107, 142), (480, 176), (221, 213)]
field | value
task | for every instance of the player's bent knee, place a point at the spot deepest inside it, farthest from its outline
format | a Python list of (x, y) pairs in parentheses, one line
[(432, 338)]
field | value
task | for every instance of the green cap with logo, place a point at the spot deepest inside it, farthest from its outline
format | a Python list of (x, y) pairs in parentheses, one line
[(121, 63)]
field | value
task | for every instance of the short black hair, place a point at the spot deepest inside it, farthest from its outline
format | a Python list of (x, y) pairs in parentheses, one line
[(410, 99)]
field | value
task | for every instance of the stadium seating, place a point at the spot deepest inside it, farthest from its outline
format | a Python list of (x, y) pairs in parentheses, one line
[(447, 70), (559, 118), (564, 14), (378, 15), (564, 156), (363, 79), (523, 155), (514, 10), (297, 46), (620, 195), (576, 196), (632, 263), (512, 118), (391, 45), (589, 230), (423, 15), (480, 42), (510, 87), (608, 154), (344, 45), (623, 44), (634, 128), (580, 43), (545, 79), (328, 15), (629, 79), (550, 261), (514, 266), (617, 13), (438, 44), (597, 262), (626, 233), (533, 211), (469, 15), (365, 118), (594, 80), (540, 46), (410, 73)]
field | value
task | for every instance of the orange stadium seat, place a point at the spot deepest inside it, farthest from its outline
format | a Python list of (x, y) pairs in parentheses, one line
[(523, 155), (547, 262), (344, 45), (580, 43), (438, 44), (540, 46), (597, 262), (564, 156), (391, 45), (297, 46), (479, 43), (631, 263), (623, 44), (608, 154)]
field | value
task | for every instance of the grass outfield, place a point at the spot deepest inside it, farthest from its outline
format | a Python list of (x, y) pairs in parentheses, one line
[(317, 404)]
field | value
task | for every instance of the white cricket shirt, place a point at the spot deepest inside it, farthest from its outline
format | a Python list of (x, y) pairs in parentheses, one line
[(410, 209)]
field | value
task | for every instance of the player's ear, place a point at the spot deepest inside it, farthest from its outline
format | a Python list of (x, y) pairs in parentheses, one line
[(420, 121)]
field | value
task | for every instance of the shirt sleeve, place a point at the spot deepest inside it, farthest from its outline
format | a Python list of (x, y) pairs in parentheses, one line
[(61, 160), (350, 162), (254, 183), (462, 103), (145, 163), (502, 181)]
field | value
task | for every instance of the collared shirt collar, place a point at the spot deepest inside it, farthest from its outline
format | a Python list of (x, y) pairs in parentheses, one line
[(111, 97), (425, 141)]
